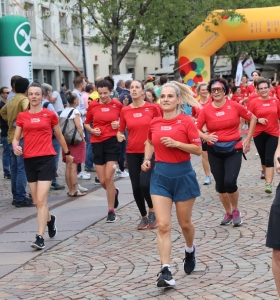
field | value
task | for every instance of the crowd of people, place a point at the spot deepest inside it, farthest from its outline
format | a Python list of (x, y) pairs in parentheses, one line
[(151, 131)]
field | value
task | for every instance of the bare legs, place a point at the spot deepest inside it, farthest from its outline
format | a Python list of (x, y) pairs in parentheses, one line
[(276, 268), (229, 201), (205, 163), (71, 177)]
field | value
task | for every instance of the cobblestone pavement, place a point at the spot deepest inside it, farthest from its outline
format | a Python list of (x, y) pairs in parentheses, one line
[(115, 261)]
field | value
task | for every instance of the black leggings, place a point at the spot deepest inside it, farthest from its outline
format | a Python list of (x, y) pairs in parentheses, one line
[(225, 168), (140, 181), (266, 145)]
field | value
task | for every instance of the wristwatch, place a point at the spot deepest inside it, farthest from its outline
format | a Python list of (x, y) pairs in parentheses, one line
[(257, 120), (67, 153)]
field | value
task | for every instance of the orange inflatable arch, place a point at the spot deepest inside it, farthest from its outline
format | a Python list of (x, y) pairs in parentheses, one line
[(195, 50)]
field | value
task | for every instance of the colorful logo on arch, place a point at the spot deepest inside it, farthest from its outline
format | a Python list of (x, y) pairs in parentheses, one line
[(192, 72), (232, 22)]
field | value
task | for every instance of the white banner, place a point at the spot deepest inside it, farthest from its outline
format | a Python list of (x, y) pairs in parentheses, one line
[(124, 77), (239, 72), (249, 67)]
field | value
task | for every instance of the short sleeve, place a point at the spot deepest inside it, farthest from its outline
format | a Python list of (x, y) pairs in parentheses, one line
[(200, 122), (122, 121), (89, 115), (192, 132), (150, 133), (54, 120), (157, 112), (19, 121), (243, 111), (278, 106)]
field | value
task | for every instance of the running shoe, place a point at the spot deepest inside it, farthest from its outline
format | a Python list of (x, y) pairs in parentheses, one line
[(262, 175), (90, 170), (227, 219), (189, 262), (7, 176), (39, 243), (80, 188), (124, 174), (116, 204), (144, 223), (27, 202), (52, 226), (111, 218), (96, 180), (83, 175), (152, 220), (236, 221), (57, 186), (207, 180), (268, 188), (165, 279)]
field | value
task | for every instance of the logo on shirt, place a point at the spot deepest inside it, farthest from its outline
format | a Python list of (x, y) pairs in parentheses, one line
[(220, 113), (196, 140), (179, 122), (35, 120), (105, 109), (114, 105), (229, 107), (266, 104), (147, 109), (137, 115), (166, 128), (45, 115)]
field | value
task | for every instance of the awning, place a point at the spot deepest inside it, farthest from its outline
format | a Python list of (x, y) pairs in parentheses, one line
[(163, 71)]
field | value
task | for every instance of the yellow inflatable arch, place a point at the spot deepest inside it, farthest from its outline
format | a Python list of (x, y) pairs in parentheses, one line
[(196, 49)]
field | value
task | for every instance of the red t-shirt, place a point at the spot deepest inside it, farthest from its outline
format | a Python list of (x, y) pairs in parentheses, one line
[(277, 88), (236, 98), (137, 121), (102, 115), (182, 129), (250, 89), (37, 131), (224, 121), (268, 109), (243, 89), (197, 110)]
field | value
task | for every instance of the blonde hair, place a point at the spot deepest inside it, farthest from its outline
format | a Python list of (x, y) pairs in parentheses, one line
[(201, 84), (183, 92)]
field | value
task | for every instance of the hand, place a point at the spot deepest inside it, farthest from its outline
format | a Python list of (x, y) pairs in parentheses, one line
[(210, 138), (17, 150), (69, 159), (120, 137), (146, 166), (262, 121), (96, 131), (115, 124), (246, 145), (168, 142)]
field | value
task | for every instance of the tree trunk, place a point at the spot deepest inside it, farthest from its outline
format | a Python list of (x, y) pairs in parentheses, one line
[(115, 60), (176, 63)]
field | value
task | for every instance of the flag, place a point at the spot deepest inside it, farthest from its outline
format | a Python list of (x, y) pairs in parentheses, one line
[(249, 67), (239, 72)]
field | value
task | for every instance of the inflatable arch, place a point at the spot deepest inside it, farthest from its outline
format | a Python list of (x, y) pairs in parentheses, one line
[(195, 50)]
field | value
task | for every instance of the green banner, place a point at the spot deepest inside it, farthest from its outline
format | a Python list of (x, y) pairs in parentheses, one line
[(15, 33)]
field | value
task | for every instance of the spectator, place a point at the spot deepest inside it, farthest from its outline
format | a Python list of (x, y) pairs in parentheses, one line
[(9, 113), (120, 86), (57, 102), (63, 94), (126, 94), (13, 91), (4, 92), (46, 103), (162, 80)]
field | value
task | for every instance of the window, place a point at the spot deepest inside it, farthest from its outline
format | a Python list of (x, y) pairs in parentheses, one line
[(3, 8), (65, 78), (76, 30), (131, 70), (95, 71), (48, 76), (30, 14), (46, 22), (63, 28), (37, 74)]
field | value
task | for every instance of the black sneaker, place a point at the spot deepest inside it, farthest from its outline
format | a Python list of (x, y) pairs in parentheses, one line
[(39, 243), (57, 186), (8, 176), (189, 262), (116, 204), (52, 226), (96, 180), (111, 217), (25, 203), (165, 279)]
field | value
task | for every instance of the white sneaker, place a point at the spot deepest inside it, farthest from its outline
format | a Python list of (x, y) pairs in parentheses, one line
[(81, 189), (124, 174), (83, 175), (116, 175)]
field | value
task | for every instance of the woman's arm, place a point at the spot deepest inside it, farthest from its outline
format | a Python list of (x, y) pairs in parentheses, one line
[(149, 150), (15, 142), (191, 148), (61, 140), (78, 126), (247, 141)]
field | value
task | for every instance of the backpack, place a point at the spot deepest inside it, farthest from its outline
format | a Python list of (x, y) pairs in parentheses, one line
[(46, 104), (69, 130)]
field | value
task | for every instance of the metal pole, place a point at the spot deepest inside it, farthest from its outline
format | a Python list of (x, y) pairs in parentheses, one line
[(83, 40)]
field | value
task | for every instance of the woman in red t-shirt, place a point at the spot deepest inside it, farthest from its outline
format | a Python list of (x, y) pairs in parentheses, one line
[(267, 111), (243, 85), (222, 118), (104, 115), (136, 117), (173, 138), (37, 125), (204, 100)]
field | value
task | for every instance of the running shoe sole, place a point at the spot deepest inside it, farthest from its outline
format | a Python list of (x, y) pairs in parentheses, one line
[(35, 246), (226, 224), (237, 225), (108, 221), (153, 227), (162, 283), (189, 273), (142, 227)]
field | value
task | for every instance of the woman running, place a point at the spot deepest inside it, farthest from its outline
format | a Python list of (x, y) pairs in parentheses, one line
[(204, 100), (267, 111), (136, 117), (224, 145), (104, 115), (173, 138), (36, 124), (78, 151)]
